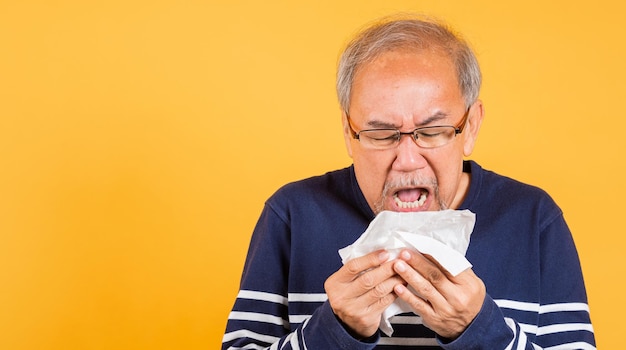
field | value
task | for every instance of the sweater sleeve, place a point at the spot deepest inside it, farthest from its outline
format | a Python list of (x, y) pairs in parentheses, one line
[(261, 317), (559, 321)]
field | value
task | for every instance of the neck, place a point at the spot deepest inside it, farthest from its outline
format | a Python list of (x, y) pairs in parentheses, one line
[(461, 192)]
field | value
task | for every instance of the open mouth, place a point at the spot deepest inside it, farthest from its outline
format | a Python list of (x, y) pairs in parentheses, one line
[(410, 198)]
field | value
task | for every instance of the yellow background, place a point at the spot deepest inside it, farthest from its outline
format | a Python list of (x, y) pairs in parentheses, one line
[(139, 140)]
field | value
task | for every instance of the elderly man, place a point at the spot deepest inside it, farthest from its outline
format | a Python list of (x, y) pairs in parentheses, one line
[(409, 89)]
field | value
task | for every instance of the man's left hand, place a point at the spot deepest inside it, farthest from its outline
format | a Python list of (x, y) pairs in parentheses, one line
[(446, 303)]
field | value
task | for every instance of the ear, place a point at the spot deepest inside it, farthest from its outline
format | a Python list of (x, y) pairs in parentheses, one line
[(347, 135), (474, 120)]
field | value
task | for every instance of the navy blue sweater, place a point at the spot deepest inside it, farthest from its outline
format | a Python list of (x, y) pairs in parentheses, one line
[(521, 248)]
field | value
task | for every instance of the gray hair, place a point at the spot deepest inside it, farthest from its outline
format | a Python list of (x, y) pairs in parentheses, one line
[(408, 34)]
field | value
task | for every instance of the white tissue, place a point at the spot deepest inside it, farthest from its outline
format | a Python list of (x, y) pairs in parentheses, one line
[(444, 235)]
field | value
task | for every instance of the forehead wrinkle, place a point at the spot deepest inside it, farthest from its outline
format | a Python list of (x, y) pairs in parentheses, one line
[(433, 118), (381, 124)]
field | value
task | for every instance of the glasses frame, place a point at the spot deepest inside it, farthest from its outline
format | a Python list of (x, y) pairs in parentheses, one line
[(457, 130)]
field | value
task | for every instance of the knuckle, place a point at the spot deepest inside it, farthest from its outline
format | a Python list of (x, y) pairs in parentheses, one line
[(328, 284), (417, 303), (331, 285), (354, 266), (367, 280), (385, 301), (380, 291), (458, 301), (424, 287), (434, 276)]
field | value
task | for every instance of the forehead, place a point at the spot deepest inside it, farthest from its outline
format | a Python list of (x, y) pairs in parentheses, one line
[(406, 80)]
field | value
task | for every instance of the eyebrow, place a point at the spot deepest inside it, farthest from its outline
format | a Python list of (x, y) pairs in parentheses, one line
[(379, 124)]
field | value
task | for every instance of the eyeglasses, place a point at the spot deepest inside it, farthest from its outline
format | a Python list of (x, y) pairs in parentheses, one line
[(424, 137)]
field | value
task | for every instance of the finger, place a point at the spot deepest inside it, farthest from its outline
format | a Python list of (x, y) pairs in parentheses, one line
[(447, 286), (359, 303), (419, 305), (352, 282), (381, 293), (372, 281), (379, 297), (357, 266), (422, 287), (429, 268), (377, 283)]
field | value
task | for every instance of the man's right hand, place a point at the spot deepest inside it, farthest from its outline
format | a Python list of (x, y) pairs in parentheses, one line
[(361, 290)]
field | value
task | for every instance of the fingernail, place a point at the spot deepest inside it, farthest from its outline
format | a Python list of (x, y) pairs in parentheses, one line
[(383, 256), (405, 255), (400, 289), (400, 266)]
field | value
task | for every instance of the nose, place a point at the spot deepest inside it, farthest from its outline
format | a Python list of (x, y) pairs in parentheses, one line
[(408, 155)]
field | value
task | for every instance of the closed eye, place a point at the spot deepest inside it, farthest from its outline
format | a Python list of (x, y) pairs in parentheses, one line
[(427, 134)]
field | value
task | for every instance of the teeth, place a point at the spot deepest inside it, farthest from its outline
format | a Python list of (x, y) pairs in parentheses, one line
[(417, 203)]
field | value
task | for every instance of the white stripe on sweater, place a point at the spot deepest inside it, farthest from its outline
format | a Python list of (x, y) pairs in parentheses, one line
[(254, 295), (248, 334), (255, 316)]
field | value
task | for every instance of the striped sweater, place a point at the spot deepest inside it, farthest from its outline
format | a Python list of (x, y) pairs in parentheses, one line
[(521, 248)]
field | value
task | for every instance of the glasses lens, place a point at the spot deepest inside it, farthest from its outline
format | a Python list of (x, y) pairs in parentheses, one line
[(383, 138), (434, 136)]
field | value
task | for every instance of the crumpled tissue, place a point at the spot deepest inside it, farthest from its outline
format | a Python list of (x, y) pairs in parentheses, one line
[(444, 235)]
